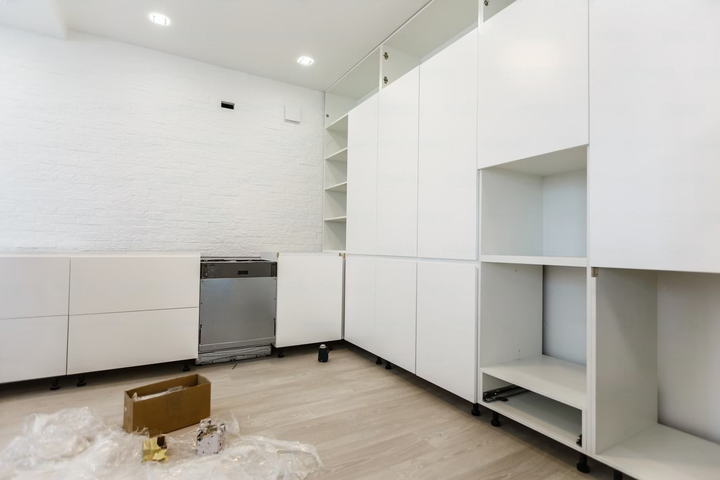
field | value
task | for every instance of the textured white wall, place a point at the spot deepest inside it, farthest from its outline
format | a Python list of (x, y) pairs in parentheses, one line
[(107, 146)]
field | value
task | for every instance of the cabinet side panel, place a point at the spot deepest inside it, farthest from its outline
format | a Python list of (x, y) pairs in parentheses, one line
[(360, 303)]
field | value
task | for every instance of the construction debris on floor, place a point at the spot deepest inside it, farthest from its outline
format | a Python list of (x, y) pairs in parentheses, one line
[(79, 444)]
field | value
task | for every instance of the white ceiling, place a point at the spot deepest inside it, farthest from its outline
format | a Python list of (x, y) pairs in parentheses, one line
[(263, 37)]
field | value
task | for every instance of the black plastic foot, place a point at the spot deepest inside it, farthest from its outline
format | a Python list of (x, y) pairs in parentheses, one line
[(81, 381), (281, 354), (475, 410), (617, 475), (55, 384), (388, 365), (582, 465), (186, 367), (378, 361), (495, 422)]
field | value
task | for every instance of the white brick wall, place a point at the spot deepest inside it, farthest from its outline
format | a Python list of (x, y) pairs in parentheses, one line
[(107, 146)]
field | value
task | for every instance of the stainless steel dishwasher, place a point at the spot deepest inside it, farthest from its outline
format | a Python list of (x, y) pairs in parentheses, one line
[(237, 308)]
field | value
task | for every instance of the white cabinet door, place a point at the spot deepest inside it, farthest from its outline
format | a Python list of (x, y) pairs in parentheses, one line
[(309, 298), (119, 340), (447, 182), (395, 307), (398, 167), (654, 201), (126, 283), (533, 80), (33, 286), (360, 303), (446, 326), (33, 348), (362, 177)]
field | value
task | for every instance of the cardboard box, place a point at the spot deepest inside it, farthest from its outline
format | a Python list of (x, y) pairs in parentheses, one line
[(169, 412)]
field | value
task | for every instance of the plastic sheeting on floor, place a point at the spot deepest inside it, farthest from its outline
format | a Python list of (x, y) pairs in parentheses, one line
[(78, 444)]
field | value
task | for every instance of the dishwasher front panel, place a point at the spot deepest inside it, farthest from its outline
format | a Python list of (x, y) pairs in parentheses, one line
[(237, 312)]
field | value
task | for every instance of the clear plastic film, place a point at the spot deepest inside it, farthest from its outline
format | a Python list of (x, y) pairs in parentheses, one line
[(79, 444)]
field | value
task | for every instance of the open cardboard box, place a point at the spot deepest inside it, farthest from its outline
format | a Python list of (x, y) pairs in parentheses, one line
[(168, 412)]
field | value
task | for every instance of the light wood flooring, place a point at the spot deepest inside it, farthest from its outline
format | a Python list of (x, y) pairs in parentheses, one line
[(366, 422)]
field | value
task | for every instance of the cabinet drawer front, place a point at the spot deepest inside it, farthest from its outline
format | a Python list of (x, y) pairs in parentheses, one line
[(33, 286), (128, 284), (33, 348), (118, 340)]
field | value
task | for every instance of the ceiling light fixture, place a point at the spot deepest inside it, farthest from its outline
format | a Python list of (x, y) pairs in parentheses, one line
[(305, 61), (160, 19)]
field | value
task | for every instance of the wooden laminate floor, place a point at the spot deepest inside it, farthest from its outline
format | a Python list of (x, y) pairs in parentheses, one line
[(366, 422)]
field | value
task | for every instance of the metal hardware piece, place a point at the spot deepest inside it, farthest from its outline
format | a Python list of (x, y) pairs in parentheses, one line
[(385, 80), (386, 55), (503, 394), (595, 272)]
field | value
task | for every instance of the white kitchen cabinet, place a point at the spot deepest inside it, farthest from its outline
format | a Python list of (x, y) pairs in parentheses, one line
[(360, 302), (395, 311), (446, 326), (33, 347), (119, 340), (397, 170), (533, 80), (654, 200), (133, 282), (362, 163), (33, 286), (309, 298), (447, 176)]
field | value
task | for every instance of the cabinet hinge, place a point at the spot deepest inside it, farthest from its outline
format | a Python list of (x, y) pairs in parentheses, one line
[(595, 272)]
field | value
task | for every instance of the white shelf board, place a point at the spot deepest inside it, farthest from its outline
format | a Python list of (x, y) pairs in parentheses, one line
[(339, 156), (339, 187), (557, 379), (532, 260), (337, 219), (663, 453), (339, 125), (553, 419)]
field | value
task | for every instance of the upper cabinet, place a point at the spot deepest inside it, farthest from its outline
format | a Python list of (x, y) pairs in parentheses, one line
[(397, 169), (447, 182), (654, 201), (533, 81), (362, 177)]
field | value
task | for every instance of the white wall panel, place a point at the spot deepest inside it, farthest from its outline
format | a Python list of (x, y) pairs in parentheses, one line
[(309, 298), (33, 348), (118, 340), (398, 167), (446, 326), (362, 177), (447, 179), (533, 81)]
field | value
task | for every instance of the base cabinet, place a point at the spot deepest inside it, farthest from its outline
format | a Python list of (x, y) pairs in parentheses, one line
[(32, 348)]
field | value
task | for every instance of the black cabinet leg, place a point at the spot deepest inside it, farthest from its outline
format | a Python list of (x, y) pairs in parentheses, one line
[(475, 410), (495, 422), (186, 367), (81, 380), (281, 354), (55, 384), (388, 365), (583, 464), (617, 475), (378, 361)]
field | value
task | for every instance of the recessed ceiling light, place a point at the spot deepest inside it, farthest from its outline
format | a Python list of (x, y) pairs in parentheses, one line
[(160, 19), (305, 61)]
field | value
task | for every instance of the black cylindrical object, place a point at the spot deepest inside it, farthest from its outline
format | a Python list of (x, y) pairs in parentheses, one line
[(323, 354)]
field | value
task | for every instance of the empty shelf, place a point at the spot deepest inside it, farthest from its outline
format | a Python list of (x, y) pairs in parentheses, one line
[(557, 379), (663, 453), (553, 419), (340, 187), (339, 125), (339, 156), (531, 260), (336, 219)]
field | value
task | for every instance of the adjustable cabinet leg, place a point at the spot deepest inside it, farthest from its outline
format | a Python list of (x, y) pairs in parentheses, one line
[(583, 464), (281, 354), (81, 380), (388, 365), (378, 361), (186, 367), (495, 422), (55, 384), (475, 410), (617, 475)]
